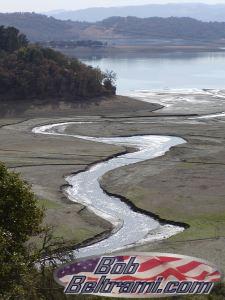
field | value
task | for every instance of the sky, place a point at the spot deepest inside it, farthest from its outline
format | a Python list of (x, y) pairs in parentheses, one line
[(47, 5)]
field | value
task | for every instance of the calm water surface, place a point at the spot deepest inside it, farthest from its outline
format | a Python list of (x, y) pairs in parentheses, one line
[(173, 71)]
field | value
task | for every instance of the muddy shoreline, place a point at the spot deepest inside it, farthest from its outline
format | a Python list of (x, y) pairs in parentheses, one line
[(186, 185)]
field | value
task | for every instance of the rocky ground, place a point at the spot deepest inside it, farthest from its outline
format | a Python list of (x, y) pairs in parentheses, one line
[(185, 185)]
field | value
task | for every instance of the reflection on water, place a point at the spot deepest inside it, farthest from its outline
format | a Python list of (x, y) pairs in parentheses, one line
[(166, 70)]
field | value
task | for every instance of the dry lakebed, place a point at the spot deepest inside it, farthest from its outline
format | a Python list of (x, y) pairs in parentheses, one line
[(184, 187)]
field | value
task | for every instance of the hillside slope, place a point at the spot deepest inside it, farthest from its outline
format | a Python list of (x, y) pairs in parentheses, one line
[(42, 28), (174, 28)]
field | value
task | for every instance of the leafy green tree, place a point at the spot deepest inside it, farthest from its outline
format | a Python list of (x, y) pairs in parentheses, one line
[(19, 214), (26, 267), (19, 220)]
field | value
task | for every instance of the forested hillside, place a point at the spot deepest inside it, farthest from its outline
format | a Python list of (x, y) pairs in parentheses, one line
[(32, 72), (42, 28), (174, 28)]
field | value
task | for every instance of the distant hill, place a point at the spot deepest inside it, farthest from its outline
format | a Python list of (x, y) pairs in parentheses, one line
[(166, 28), (42, 28), (197, 11)]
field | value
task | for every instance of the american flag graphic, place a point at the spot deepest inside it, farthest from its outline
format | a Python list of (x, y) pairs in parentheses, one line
[(151, 266)]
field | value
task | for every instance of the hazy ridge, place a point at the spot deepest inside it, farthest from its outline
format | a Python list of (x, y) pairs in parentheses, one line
[(198, 11)]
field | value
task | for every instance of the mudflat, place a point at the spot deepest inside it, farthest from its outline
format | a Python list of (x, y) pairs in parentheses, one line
[(45, 161), (185, 185)]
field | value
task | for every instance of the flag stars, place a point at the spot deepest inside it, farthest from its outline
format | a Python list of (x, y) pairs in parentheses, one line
[(79, 267)]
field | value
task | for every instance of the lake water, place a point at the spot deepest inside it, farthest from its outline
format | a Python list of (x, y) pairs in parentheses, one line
[(166, 71)]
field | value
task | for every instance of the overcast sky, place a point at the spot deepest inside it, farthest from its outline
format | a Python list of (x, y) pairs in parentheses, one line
[(46, 5)]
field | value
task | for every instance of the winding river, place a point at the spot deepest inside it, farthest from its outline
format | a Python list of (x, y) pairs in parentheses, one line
[(130, 227)]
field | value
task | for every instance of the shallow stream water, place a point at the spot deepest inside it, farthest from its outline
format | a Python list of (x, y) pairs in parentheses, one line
[(130, 227)]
